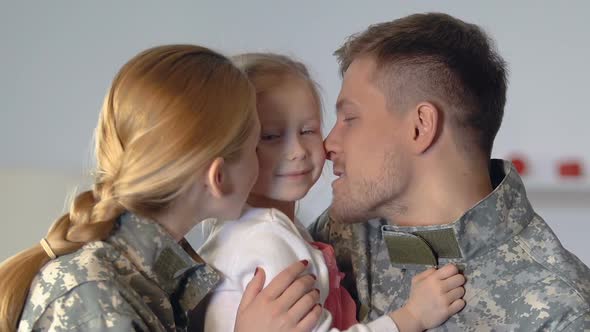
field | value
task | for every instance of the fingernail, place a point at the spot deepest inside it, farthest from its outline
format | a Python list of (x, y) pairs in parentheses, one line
[(305, 262), (256, 271)]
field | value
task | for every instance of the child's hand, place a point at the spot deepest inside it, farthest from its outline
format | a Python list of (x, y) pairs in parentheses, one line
[(435, 296)]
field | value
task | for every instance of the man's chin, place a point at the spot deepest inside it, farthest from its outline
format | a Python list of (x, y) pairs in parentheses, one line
[(344, 214)]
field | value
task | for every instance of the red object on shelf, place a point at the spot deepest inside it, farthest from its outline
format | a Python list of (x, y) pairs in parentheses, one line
[(520, 164), (571, 168)]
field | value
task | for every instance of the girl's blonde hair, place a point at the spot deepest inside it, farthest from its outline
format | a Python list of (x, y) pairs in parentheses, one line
[(267, 71), (169, 112)]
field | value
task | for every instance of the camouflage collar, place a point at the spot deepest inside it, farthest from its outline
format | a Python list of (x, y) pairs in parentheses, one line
[(178, 271), (495, 219)]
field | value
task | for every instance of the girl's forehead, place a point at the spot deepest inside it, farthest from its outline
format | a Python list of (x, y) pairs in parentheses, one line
[(292, 98), (289, 113)]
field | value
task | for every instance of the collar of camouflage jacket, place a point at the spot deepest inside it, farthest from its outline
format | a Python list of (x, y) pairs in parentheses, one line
[(495, 219), (174, 266)]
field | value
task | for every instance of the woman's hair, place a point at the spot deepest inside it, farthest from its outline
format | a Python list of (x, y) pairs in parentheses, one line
[(169, 112), (268, 71)]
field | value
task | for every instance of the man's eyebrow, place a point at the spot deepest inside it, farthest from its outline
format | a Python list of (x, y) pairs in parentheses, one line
[(342, 103)]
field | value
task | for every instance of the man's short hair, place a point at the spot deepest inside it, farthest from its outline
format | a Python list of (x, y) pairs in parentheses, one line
[(437, 58)]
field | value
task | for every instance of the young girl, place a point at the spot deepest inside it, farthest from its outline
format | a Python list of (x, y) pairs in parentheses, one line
[(291, 157), (175, 144)]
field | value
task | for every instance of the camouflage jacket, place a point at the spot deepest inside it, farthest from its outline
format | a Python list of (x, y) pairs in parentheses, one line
[(519, 277), (139, 279)]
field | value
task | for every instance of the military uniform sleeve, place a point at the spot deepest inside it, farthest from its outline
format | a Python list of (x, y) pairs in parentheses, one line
[(114, 322), (581, 323), (92, 306)]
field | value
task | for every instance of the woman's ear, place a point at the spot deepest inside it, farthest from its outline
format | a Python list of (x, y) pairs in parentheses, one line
[(216, 178)]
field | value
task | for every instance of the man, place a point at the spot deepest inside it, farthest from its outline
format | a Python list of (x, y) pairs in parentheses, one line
[(422, 99)]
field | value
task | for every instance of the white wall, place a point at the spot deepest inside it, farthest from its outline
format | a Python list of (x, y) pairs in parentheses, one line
[(57, 59)]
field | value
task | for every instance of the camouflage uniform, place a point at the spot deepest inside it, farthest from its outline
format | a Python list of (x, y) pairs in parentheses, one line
[(139, 279), (519, 277)]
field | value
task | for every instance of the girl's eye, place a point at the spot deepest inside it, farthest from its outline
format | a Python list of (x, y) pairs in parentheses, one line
[(307, 132), (269, 137), (348, 119)]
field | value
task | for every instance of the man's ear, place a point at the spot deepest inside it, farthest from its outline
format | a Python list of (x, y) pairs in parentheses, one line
[(425, 120), (216, 178)]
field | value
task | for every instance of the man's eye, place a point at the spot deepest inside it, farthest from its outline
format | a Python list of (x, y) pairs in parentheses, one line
[(307, 132)]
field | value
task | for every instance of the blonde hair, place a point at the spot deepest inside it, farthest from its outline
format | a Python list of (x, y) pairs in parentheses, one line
[(267, 71), (169, 112)]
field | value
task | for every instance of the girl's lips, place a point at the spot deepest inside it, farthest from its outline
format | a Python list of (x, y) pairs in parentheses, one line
[(294, 173)]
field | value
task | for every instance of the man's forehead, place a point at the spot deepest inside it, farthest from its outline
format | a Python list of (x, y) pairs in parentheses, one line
[(352, 83), (360, 75), (360, 68), (358, 83)]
